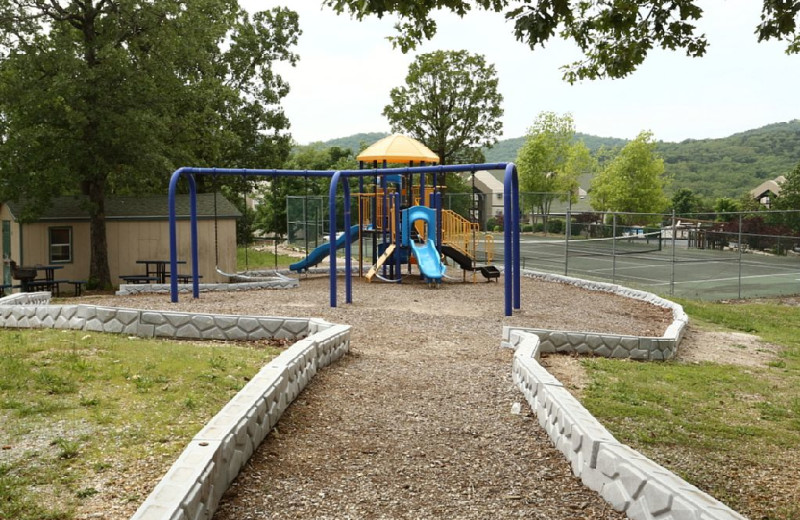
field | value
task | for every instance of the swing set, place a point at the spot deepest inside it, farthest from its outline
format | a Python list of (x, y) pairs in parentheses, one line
[(418, 229)]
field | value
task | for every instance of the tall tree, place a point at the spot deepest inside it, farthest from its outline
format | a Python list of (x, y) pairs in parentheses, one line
[(109, 96), (789, 200), (632, 182), (614, 36), (450, 103), (685, 202), (550, 162), (271, 213)]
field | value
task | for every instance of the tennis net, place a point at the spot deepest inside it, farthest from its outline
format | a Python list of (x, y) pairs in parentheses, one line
[(621, 245)]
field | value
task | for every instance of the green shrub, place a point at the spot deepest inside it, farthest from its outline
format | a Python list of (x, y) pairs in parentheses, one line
[(527, 228), (555, 226)]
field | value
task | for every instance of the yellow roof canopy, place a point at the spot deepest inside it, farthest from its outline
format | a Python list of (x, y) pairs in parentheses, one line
[(398, 148)]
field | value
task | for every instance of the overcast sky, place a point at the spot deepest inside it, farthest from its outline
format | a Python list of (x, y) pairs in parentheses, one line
[(347, 68)]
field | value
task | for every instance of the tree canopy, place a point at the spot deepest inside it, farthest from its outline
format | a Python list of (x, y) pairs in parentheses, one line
[(550, 161), (450, 103), (633, 181), (101, 97), (614, 36), (789, 199)]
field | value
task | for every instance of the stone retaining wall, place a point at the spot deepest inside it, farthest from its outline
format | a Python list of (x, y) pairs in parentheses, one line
[(625, 478), (164, 288), (194, 484), (607, 345)]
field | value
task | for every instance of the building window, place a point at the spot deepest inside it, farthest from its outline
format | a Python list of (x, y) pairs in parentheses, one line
[(60, 241)]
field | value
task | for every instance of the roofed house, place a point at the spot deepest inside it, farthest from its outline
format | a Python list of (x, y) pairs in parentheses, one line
[(137, 228), (768, 190)]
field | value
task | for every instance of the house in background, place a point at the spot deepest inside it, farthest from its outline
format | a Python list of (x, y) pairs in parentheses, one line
[(768, 190), (137, 228), (490, 186)]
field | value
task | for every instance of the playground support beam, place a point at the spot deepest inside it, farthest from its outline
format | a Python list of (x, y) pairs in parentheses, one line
[(511, 258), (339, 176)]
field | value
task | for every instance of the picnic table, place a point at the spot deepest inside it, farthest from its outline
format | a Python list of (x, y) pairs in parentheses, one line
[(155, 271)]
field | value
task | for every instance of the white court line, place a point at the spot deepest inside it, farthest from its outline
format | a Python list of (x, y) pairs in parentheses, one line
[(730, 279)]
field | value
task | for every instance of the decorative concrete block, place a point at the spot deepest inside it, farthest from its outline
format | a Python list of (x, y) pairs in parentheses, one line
[(177, 320), (153, 318)]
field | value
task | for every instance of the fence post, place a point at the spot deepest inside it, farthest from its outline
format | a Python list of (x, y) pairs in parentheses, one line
[(674, 236), (613, 248), (568, 234), (740, 256)]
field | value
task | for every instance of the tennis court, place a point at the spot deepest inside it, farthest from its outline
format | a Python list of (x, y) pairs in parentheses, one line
[(655, 263)]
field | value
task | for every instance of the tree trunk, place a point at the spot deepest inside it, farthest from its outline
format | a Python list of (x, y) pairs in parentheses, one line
[(99, 272)]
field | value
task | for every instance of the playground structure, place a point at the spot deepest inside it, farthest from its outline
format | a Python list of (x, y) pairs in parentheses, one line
[(425, 235), (398, 224)]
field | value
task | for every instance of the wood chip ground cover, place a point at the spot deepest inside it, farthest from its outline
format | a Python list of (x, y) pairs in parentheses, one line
[(416, 422)]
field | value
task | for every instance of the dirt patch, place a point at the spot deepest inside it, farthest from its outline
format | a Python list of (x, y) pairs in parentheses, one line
[(733, 348)]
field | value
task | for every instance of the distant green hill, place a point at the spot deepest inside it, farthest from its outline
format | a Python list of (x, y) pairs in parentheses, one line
[(356, 142), (507, 149), (713, 168), (732, 165)]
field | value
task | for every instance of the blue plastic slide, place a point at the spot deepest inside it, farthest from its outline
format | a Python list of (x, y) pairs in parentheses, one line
[(429, 261), (316, 256)]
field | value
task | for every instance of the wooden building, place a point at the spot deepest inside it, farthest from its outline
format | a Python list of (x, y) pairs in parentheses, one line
[(137, 228)]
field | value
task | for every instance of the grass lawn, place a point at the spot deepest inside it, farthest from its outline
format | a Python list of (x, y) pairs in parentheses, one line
[(731, 430), (78, 409), (258, 259)]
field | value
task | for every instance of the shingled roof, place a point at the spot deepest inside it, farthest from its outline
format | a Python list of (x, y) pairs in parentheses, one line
[(148, 207)]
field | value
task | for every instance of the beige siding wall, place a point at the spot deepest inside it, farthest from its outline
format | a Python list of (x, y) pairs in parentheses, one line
[(35, 248), (149, 240), (129, 241)]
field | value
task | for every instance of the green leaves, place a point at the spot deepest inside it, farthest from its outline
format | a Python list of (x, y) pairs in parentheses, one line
[(615, 36), (450, 103), (551, 160), (110, 97), (633, 181)]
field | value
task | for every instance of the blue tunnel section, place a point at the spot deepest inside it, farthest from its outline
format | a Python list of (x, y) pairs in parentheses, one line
[(428, 258)]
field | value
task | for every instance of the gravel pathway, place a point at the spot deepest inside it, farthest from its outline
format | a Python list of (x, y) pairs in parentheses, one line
[(417, 421)]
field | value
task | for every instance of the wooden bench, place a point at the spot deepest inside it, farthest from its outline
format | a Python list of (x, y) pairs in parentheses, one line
[(47, 285), (138, 278), (77, 285)]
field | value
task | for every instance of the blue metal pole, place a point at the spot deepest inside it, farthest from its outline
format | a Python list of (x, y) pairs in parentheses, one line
[(193, 227), (508, 251), (173, 235), (348, 279), (398, 265), (515, 235), (332, 226)]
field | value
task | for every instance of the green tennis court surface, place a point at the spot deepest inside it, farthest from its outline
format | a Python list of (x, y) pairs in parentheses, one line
[(654, 265)]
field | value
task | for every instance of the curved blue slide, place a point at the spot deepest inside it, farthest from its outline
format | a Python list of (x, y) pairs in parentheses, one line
[(317, 255), (428, 259)]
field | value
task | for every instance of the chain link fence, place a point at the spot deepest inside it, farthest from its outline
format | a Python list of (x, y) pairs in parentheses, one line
[(709, 256)]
